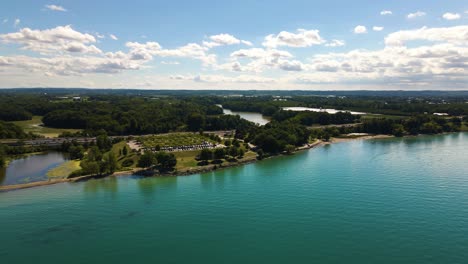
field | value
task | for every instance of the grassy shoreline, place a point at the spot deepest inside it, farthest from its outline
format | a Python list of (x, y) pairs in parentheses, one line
[(64, 169), (191, 170)]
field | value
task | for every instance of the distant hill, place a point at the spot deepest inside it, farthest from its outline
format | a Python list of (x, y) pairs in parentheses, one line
[(86, 91)]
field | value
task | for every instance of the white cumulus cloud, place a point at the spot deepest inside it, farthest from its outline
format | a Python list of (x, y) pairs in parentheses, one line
[(114, 37), (336, 43), (451, 16), (455, 35), (224, 40), (377, 28), (416, 14), (385, 12), (303, 38), (59, 39), (56, 8), (261, 59), (360, 30)]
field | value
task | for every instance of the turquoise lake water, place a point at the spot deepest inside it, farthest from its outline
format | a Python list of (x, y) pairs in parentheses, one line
[(376, 201)]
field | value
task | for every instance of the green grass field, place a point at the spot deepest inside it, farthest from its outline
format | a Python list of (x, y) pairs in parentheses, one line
[(174, 139), (131, 156), (186, 159), (65, 169), (464, 126), (35, 126), (370, 116)]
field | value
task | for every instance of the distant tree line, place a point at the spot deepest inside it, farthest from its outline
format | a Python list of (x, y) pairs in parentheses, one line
[(421, 124), (309, 118), (10, 130)]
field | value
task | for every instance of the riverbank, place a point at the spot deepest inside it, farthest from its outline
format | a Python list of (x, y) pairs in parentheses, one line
[(187, 172), (358, 137)]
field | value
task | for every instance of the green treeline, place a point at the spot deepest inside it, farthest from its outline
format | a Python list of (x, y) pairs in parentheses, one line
[(309, 118), (422, 124), (10, 130), (275, 137), (122, 116), (391, 105), (162, 161)]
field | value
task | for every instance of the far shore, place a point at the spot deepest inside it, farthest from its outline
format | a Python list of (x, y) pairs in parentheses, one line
[(204, 169)]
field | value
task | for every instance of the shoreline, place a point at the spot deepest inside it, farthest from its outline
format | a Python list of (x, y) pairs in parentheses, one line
[(205, 169)]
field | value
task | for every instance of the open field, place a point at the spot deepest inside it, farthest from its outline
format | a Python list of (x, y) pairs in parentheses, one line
[(186, 159), (371, 116), (174, 140), (65, 169), (464, 127), (35, 126)]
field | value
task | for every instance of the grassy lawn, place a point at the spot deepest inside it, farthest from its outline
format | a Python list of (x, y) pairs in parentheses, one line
[(370, 116), (131, 156), (35, 126), (464, 127), (64, 169), (174, 139), (186, 159)]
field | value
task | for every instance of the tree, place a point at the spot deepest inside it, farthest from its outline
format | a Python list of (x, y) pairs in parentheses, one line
[(233, 151), (260, 154), (167, 161), (76, 152), (219, 153), (111, 160), (289, 148), (267, 143), (2, 157), (195, 122), (236, 143), (241, 153), (148, 159), (124, 151), (104, 142), (94, 154), (90, 167), (398, 130), (206, 154)]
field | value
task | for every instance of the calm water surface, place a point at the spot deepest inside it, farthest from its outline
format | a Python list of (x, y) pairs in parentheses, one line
[(251, 116), (30, 168), (328, 110), (382, 201)]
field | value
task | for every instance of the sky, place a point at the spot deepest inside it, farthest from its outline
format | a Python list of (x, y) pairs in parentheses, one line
[(265, 45)]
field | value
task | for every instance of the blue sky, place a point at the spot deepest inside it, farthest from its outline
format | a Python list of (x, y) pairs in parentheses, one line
[(235, 45)]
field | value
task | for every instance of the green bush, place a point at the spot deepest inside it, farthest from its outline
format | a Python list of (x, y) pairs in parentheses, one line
[(127, 163)]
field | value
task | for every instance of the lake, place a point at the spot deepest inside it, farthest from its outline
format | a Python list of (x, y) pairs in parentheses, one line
[(402, 200), (330, 111), (31, 168), (250, 116)]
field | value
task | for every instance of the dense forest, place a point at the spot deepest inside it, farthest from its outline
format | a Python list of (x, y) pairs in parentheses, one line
[(10, 130), (392, 105), (128, 112)]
